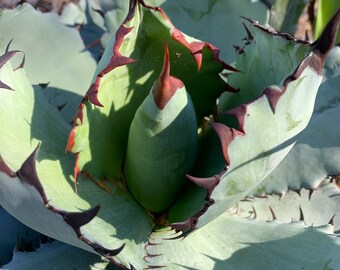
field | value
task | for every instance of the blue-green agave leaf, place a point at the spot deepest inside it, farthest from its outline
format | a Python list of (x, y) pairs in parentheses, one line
[(238, 243), (195, 19), (317, 152), (37, 186), (315, 207), (267, 129), (56, 256), (15, 236), (125, 75), (94, 211), (55, 54)]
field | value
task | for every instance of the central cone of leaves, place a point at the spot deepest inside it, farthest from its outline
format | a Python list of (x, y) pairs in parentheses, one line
[(162, 143)]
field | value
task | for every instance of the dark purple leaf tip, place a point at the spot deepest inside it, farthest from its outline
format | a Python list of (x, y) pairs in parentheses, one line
[(239, 49), (78, 219), (5, 86), (321, 48), (273, 213), (44, 85), (187, 225), (7, 56), (3, 60), (302, 216), (273, 94), (22, 64), (208, 183), (5, 169), (250, 37), (226, 135), (331, 221), (326, 41), (240, 114), (108, 253), (311, 192), (28, 174)]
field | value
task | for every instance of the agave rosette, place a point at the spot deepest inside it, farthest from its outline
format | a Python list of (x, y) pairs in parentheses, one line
[(135, 134)]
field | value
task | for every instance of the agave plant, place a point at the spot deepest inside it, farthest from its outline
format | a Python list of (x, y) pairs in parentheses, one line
[(171, 154)]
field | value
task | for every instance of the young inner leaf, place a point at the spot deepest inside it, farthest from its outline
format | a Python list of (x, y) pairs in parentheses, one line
[(162, 143)]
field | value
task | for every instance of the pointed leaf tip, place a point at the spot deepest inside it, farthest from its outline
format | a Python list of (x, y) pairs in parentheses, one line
[(328, 36), (331, 221), (4, 59), (108, 253), (226, 135), (7, 56), (240, 113), (22, 64), (250, 37), (8, 45), (302, 216), (273, 94), (273, 213), (92, 93), (5, 169), (166, 86), (28, 174), (5, 86), (322, 46), (78, 219), (187, 225), (208, 183)]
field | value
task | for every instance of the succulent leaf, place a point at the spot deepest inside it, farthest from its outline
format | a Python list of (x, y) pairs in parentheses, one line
[(266, 58), (187, 150), (15, 236), (316, 154), (59, 61), (37, 187), (48, 257), (125, 78), (162, 143), (276, 115), (237, 243), (315, 207), (194, 18)]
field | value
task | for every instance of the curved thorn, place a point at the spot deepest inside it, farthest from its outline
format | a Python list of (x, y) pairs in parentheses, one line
[(8, 45), (5, 169), (272, 212), (101, 250), (28, 173), (207, 183), (326, 41), (254, 211), (78, 219), (311, 192), (302, 217), (331, 221)]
